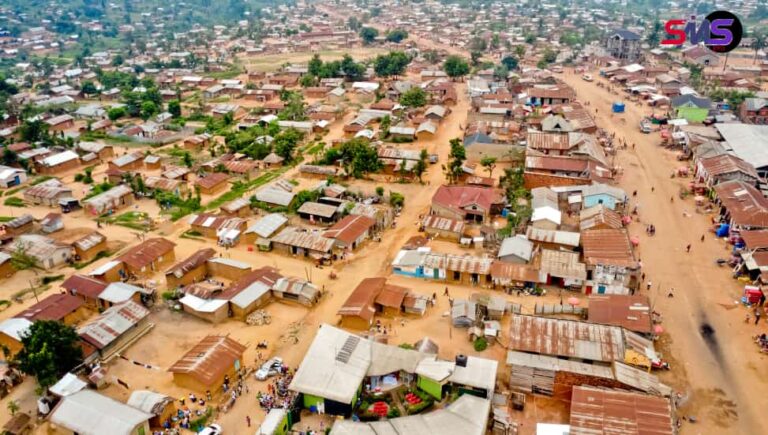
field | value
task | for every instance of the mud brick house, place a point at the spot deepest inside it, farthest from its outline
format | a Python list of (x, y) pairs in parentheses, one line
[(89, 246), (754, 111), (372, 296), (148, 257), (205, 366), (467, 203), (212, 184), (192, 269)]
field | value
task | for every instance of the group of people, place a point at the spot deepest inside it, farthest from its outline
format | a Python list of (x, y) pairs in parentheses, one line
[(650, 230), (278, 395), (190, 408)]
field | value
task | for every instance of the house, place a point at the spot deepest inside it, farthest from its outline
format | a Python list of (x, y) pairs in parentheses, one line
[(295, 241), (128, 162), (6, 265), (631, 312), (447, 228), (624, 45), (197, 142), (116, 328), (562, 268), (162, 184), (467, 203), (214, 226), (205, 301), (546, 217), (18, 226), (602, 410), (161, 407), (552, 171), (318, 212), (754, 111), (746, 142), (207, 364), (701, 55), (58, 163), (540, 96), (350, 232), (60, 123), (102, 150), (725, 167), (212, 184), (10, 177), (113, 199), (691, 107), (240, 207), (611, 264), (90, 413), (426, 130), (61, 307), (296, 290), (611, 197), (265, 227), (51, 223), (517, 249), (47, 252), (250, 291), (11, 332), (599, 217), (90, 246), (371, 296), (741, 205), (86, 288), (119, 292), (150, 256)]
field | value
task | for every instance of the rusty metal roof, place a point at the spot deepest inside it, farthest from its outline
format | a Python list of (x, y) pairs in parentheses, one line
[(212, 180), (566, 338), (54, 307), (84, 285), (746, 205), (48, 189), (599, 215), (458, 263), (192, 262), (755, 239), (146, 252), (601, 411), (727, 164), (209, 359), (162, 183), (548, 141), (608, 247), (112, 323), (632, 312), (350, 228), (293, 236), (436, 222), (89, 241)]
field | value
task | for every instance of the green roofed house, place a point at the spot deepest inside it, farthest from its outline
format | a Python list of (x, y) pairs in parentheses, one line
[(339, 365), (691, 107)]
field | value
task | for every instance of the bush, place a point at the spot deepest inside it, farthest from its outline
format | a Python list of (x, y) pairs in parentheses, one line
[(51, 278), (396, 199), (481, 344), (14, 202), (406, 346), (169, 295)]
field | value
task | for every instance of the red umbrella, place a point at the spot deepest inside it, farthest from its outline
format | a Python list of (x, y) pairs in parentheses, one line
[(635, 240), (658, 329), (573, 300), (626, 220)]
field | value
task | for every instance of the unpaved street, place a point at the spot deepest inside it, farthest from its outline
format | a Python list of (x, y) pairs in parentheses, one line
[(725, 371)]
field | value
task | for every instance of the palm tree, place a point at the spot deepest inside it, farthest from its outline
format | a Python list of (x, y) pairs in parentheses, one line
[(758, 44)]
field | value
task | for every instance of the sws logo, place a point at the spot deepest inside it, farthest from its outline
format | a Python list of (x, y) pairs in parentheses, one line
[(721, 31)]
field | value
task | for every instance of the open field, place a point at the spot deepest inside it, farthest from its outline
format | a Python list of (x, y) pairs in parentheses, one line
[(272, 62)]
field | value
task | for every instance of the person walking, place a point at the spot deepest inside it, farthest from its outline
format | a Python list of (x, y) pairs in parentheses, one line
[(757, 316), (702, 237), (671, 293), (648, 286), (688, 248), (248, 420)]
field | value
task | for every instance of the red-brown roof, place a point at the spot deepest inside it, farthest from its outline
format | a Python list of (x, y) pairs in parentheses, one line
[(458, 197), (54, 307), (632, 312), (746, 205), (350, 228), (84, 285), (372, 291), (610, 247), (602, 411), (190, 263), (212, 180), (755, 239), (267, 275), (727, 164), (210, 359), (147, 252)]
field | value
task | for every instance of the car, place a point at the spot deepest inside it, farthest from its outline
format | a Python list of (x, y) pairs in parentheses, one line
[(646, 126), (269, 368), (213, 429), (433, 158), (587, 77)]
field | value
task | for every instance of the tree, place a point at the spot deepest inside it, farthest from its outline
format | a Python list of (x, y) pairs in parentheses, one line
[(13, 407), (397, 36), (495, 41), (396, 199), (455, 67), (10, 157), (519, 51), (456, 165), (116, 113), (421, 164), (379, 191), (315, 65), (174, 108), (759, 43), (432, 56), (33, 131), (368, 35), (478, 44), (510, 62), (307, 80), (474, 57), (50, 349), (358, 155), (500, 72), (351, 69), (89, 88), (148, 109), (286, 142), (549, 55), (391, 64), (186, 158), (353, 24), (654, 37), (489, 163), (414, 97)]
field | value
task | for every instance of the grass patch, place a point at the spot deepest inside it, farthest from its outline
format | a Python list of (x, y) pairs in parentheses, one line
[(40, 179), (97, 189), (99, 256), (225, 75), (193, 235), (14, 201), (134, 220), (19, 295), (10, 192), (6, 218), (51, 278), (239, 188)]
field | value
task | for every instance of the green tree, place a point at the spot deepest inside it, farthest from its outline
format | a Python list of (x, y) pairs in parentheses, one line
[(421, 164), (432, 56), (457, 157), (116, 113), (391, 64), (489, 163), (351, 69), (50, 349), (148, 109), (455, 67), (414, 97), (368, 35), (13, 407), (397, 35), (187, 160), (396, 199), (174, 108), (519, 52), (33, 131), (315, 65), (307, 80), (88, 88), (358, 156), (510, 62), (654, 36)]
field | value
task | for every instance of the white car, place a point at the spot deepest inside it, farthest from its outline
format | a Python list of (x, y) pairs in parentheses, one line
[(269, 368), (213, 429), (587, 77)]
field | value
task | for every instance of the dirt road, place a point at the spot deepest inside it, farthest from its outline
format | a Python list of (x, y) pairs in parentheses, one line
[(726, 375)]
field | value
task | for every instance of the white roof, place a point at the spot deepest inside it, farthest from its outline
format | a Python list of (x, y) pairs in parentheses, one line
[(547, 213), (202, 305), (271, 422), (60, 158), (89, 413), (68, 385), (230, 262), (479, 373), (747, 141), (267, 225), (250, 294), (518, 245), (368, 86), (552, 428), (104, 268), (117, 292), (273, 195), (14, 327), (633, 68)]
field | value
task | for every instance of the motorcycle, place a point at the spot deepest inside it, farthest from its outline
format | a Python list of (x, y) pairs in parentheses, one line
[(262, 344)]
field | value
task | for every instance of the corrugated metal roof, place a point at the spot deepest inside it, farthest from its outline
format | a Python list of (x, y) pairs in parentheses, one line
[(192, 262), (565, 238), (14, 327), (90, 413), (146, 252), (293, 236), (632, 312), (608, 247), (89, 241), (350, 228), (603, 411), (746, 205), (209, 359), (458, 263), (562, 264), (443, 224), (48, 189), (112, 323), (317, 209)]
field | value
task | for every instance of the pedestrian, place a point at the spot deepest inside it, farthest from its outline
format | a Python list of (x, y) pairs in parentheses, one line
[(688, 248), (746, 318), (642, 277), (634, 193), (671, 199), (702, 237), (653, 189), (446, 292), (757, 316), (671, 293), (648, 286)]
